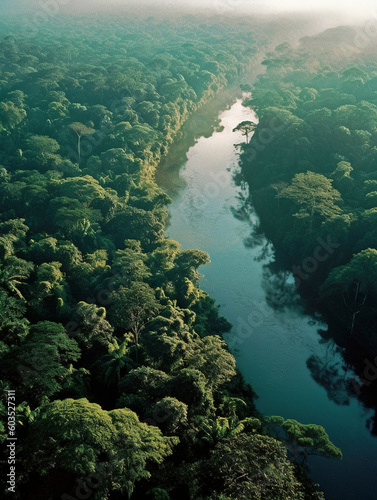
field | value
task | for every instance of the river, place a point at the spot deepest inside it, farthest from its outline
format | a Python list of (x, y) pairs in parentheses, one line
[(272, 339)]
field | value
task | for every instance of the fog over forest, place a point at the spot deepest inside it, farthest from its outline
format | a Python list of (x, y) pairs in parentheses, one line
[(343, 10)]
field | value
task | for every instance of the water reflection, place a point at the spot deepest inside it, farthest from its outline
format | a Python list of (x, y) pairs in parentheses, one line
[(244, 211), (331, 375), (327, 368), (281, 293)]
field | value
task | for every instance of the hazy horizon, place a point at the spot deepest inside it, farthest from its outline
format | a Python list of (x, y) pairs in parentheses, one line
[(344, 10)]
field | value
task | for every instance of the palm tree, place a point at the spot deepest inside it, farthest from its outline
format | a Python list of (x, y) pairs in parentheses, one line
[(14, 273), (116, 361), (220, 428)]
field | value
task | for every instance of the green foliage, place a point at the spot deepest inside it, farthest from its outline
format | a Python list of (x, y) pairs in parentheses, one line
[(91, 325), (80, 130), (353, 287), (40, 364), (42, 150), (191, 387), (13, 273), (132, 307), (10, 116), (313, 195), (113, 363), (247, 467), (170, 415), (113, 445), (13, 324), (211, 357), (309, 439)]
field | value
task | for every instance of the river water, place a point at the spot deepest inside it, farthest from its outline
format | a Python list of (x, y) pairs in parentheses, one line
[(278, 347)]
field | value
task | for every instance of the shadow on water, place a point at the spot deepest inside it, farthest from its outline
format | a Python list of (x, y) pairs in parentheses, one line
[(332, 376), (336, 371)]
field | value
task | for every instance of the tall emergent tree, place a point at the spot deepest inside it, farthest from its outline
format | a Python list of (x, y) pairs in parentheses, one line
[(80, 130), (246, 127)]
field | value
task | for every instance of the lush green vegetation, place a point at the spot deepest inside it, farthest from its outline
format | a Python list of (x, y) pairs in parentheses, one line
[(125, 387), (311, 166)]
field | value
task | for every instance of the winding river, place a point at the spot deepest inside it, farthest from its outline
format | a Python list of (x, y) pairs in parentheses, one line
[(279, 349)]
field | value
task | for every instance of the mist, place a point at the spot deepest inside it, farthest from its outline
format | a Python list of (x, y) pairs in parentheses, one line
[(295, 19), (345, 11)]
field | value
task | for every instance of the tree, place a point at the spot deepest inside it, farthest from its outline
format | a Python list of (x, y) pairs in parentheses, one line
[(10, 116), (41, 363), (138, 224), (170, 415), (314, 195), (211, 356), (12, 236), (113, 364), (246, 127), (117, 161), (49, 290), (17, 97), (161, 259), (84, 189), (80, 130), (92, 326), (350, 284), (146, 382), (14, 326), (215, 430), (132, 308), (130, 264), (43, 149), (13, 273), (229, 425), (113, 446), (58, 110), (305, 439), (187, 264), (249, 466), (76, 222), (167, 347), (278, 188), (191, 387), (342, 176), (142, 387)]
